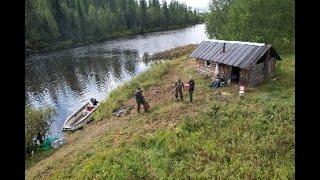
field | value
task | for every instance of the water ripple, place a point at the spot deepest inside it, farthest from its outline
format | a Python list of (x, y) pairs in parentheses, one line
[(66, 79)]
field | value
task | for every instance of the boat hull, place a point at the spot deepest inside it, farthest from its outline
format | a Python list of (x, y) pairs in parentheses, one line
[(77, 119)]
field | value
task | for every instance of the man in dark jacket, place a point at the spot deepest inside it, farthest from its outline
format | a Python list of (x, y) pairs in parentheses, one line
[(191, 87), (139, 98)]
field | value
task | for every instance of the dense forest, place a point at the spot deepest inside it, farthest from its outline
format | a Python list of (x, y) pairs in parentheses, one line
[(271, 21), (61, 23)]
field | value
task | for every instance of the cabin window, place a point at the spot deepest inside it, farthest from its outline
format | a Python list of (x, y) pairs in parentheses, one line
[(207, 63)]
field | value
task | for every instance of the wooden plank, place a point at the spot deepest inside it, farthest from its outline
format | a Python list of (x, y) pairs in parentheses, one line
[(201, 49), (210, 51), (242, 57), (266, 65), (204, 49), (257, 74), (248, 56), (240, 49), (227, 72), (244, 77), (202, 69), (259, 53), (252, 58), (196, 51), (236, 58), (220, 54), (228, 53), (212, 58), (213, 51), (273, 66), (194, 54)]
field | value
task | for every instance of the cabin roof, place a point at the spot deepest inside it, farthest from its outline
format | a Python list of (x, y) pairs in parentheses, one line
[(236, 53)]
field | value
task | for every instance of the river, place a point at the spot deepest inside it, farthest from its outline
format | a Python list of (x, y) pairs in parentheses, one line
[(66, 79)]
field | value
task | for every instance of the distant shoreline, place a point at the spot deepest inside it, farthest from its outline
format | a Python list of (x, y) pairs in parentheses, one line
[(59, 47)]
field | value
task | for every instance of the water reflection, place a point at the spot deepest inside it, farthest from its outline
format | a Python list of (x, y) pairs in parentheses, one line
[(66, 79)]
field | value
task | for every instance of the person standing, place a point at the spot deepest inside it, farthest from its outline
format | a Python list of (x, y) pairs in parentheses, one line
[(191, 87), (179, 85), (139, 98), (40, 139)]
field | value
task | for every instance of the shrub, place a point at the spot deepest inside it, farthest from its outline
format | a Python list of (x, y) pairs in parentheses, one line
[(36, 120)]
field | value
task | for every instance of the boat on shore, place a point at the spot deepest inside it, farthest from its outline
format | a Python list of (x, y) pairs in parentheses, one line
[(79, 118)]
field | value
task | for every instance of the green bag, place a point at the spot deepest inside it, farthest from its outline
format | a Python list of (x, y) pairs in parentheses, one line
[(46, 145)]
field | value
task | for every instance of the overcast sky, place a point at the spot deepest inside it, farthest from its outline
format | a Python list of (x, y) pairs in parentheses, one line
[(194, 3)]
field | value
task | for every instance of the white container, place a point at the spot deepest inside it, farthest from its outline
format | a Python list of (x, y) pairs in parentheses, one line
[(241, 92), (241, 87)]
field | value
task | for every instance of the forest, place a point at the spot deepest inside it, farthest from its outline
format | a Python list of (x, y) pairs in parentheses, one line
[(271, 21), (62, 23)]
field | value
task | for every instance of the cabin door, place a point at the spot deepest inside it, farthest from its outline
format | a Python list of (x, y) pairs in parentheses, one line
[(235, 75)]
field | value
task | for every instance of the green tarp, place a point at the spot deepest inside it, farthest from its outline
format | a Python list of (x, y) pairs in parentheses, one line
[(46, 145)]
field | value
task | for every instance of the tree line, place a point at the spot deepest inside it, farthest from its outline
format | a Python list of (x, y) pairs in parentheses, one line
[(61, 23), (271, 21)]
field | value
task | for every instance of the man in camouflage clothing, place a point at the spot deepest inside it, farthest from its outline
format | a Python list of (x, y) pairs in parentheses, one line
[(178, 87)]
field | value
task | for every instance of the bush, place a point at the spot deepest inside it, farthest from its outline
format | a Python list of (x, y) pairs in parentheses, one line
[(36, 121)]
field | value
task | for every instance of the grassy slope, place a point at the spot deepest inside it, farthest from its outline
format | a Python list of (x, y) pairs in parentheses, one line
[(216, 136)]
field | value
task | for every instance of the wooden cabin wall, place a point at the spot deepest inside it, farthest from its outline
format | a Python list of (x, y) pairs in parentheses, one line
[(227, 72), (202, 69), (222, 70), (270, 68), (257, 75), (244, 78)]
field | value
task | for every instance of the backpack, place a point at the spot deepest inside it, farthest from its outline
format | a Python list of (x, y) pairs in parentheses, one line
[(146, 106)]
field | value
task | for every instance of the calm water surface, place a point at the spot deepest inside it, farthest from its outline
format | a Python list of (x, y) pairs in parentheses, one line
[(66, 79)]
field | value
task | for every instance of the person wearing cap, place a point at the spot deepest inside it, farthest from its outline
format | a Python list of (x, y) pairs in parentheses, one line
[(191, 87), (139, 98)]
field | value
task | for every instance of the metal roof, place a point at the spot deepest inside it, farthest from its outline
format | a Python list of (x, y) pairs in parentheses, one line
[(239, 54)]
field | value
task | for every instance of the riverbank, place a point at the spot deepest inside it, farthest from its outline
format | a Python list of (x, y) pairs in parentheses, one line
[(216, 136), (113, 36)]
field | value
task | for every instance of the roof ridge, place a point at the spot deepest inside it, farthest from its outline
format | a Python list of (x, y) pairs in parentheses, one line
[(236, 42)]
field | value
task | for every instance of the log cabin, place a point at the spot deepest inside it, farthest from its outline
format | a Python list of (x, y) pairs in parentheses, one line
[(244, 63)]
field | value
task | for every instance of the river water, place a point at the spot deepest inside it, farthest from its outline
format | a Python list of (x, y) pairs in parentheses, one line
[(66, 79)]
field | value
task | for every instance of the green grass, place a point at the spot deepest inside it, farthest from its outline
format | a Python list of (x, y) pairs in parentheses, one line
[(37, 156), (121, 94), (214, 138)]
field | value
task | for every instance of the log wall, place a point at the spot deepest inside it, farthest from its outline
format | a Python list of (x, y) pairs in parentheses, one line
[(209, 70), (257, 74)]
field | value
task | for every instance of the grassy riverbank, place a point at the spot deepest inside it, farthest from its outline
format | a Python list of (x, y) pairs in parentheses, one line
[(216, 136)]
